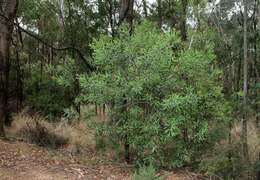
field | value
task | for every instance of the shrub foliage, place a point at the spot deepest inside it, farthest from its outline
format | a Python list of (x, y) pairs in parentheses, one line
[(164, 99)]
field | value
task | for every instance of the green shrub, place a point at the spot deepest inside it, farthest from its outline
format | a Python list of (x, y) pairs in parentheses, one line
[(44, 94), (166, 102)]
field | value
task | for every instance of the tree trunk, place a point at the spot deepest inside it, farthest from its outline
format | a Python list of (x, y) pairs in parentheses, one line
[(258, 171), (126, 140), (145, 8), (61, 16), (127, 150), (8, 14), (111, 20), (245, 88), (159, 10), (126, 12), (77, 93), (19, 82), (183, 28)]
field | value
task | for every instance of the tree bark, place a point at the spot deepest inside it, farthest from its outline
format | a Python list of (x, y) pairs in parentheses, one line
[(111, 20), (159, 10), (19, 82), (126, 139), (127, 12), (183, 27), (61, 15), (245, 88), (8, 13), (145, 8)]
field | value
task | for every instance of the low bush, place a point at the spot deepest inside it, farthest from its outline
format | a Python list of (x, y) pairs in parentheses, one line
[(45, 95)]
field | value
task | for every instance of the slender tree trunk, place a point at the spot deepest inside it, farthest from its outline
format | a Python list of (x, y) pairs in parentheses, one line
[(126, 140), (96, 109), (111, 21), (198, 17), (127, 149), (145, 8), (61, 15), (256, 74), (104, 111), (19, 81), (258, 172), (8, 14), (159, 10), (77, 93), (239, 73), (183, 27), (126, 13), (245, 87)]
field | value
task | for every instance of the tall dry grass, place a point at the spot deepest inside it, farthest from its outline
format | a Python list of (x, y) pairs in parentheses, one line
[(253, 138), (36, 129)]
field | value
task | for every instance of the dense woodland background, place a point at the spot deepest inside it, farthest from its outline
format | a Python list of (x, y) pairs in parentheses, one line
[(175, 83)]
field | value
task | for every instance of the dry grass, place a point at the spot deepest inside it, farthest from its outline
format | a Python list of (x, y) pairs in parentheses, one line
[(253, 141), (35, 129), (253, 138), (79, 135)]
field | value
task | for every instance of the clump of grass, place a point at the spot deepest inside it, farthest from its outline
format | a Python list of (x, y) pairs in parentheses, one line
[(37, 130), (80, 137), (146, 173)]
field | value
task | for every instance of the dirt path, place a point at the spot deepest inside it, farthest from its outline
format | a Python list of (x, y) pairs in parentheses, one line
[(22, 161)]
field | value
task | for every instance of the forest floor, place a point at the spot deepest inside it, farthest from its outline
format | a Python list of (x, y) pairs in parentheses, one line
[(23, 161)]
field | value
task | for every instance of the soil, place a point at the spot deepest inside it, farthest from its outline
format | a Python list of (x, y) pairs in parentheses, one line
[(22, 161)]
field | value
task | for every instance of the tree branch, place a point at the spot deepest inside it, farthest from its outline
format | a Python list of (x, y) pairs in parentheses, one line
[(33, 35)]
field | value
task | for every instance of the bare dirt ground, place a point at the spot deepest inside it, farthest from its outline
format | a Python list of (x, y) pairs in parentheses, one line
[(23, 161)]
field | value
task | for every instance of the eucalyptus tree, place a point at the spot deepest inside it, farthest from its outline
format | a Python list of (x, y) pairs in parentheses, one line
[(245, 84), (60, 26), (7, 15)]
